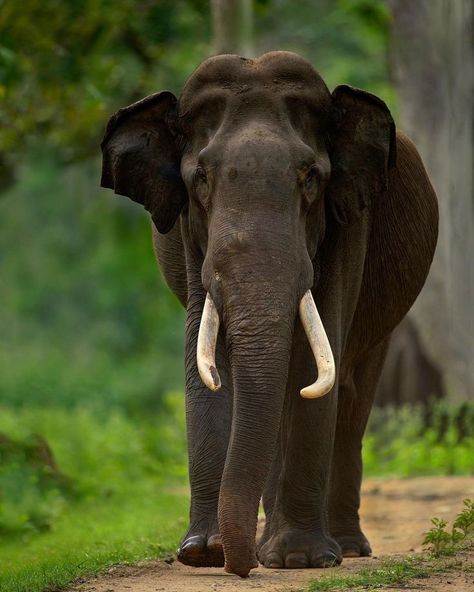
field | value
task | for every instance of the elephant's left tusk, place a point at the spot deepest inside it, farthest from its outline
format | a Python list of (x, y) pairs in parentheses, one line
[(321, 348), (206, 346)]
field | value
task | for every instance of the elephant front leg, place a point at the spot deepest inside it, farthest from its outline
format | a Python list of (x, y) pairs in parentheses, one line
[(299, 535), (208, 419), (355, 402)]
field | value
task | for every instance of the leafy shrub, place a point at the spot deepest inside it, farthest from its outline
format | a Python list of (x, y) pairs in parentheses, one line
[(404, 442), (32, 489), (439, 541), (82, 453), (465, 520)]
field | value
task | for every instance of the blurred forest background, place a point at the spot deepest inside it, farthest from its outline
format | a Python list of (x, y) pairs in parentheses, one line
[(91, 414)]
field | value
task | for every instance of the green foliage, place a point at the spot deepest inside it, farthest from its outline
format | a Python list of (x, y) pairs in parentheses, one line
[(96, 488), (65, 66), (81, 453), (85, 316), (404, 442), (439, 541), (437, 538), (465, 519), (31, 487), (346, 40)]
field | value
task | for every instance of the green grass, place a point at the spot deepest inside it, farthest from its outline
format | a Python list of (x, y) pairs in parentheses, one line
[(142, 523), (112, 493), (390, 572)]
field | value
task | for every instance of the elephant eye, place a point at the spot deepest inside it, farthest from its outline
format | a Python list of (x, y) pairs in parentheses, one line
[(309, 183), (201, 186), (200, 175), (311, 178)]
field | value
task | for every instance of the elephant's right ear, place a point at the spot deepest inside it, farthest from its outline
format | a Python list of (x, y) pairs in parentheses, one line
[(141, 158), (362, 142)]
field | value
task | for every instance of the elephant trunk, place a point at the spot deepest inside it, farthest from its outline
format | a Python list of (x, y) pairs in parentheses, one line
[(259, 354), (259, 344)]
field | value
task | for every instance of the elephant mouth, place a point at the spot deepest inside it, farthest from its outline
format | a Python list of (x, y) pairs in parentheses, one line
[(315, 332)]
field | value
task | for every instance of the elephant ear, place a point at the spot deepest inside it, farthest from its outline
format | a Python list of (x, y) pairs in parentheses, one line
[(362, 147), (141, 158)]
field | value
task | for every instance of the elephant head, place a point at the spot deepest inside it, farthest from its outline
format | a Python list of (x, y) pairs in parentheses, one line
[(256, 155)]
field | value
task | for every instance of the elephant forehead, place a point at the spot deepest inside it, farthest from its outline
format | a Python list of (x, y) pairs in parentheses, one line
[(273, 74)]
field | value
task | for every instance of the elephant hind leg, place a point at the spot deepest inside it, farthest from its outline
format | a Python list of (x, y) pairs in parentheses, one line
[(356, 396)]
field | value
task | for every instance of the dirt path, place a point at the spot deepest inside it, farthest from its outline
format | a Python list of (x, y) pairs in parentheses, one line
[(395, 514)]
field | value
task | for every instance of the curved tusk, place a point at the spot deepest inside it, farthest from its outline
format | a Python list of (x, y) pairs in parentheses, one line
[(206, 346), (321, 348)]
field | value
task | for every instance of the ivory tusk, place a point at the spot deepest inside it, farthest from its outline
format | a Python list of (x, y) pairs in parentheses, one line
[(206, 346), (320, 347)]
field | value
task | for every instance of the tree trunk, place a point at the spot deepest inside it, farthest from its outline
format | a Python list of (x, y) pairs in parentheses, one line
[(432, 58), (233, 26)]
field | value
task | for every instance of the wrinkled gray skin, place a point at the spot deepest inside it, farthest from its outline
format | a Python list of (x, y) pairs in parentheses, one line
[(262, 184)]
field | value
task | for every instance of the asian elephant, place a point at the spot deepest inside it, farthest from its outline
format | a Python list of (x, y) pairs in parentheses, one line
[(297, 228), (409, 376)]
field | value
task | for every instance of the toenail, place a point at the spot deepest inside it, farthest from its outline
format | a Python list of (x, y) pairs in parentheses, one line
[(215, 539), (192, 544)]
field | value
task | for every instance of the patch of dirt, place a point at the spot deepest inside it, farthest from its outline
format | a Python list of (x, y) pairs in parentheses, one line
[(395, 515), (455, 581)]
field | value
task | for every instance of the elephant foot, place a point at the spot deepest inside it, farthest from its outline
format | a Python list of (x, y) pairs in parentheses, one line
[(202, 548), (298, 549), (352, 542)]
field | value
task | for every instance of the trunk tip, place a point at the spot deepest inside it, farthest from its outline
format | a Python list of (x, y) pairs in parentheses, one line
[(241, 571)]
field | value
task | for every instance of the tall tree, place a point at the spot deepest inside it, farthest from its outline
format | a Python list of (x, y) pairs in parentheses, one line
[(66, 66), (233, 24), (432, 60)]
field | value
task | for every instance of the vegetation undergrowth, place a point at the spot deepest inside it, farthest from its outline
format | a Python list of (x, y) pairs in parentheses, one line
[(439, 541), (139, 524), (409, 442), (439, 544), (96, 488)]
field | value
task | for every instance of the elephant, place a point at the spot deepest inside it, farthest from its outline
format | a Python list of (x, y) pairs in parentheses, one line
[(409, 376), (297, 227)]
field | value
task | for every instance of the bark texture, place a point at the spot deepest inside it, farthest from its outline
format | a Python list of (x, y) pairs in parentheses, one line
[(432, 59), (232, 22)]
